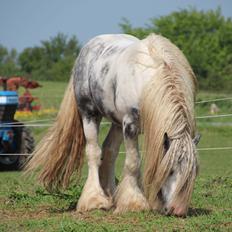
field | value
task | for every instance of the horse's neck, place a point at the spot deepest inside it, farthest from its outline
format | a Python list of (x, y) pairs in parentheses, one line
[(137, 66)]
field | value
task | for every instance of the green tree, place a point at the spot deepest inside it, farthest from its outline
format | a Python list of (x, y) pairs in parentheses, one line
[(31, 59), (204, 37), (53, 60), (8, 62)]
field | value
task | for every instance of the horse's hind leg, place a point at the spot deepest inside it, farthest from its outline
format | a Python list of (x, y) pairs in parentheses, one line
[(129, 196), (93, 196), (110, 151)]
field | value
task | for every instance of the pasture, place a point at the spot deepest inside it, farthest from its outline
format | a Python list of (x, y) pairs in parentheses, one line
[(26, 206)]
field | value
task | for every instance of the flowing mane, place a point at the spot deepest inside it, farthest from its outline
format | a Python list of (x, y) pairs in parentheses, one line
[(167, 106)]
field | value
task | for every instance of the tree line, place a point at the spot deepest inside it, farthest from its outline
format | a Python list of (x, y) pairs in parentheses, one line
[(52, 60), (205, 37)]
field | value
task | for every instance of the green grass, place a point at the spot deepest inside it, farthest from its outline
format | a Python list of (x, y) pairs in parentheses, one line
[(203, 109), (26, 206), (51, 94)]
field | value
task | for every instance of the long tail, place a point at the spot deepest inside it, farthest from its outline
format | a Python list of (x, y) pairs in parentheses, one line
[(61, 151)]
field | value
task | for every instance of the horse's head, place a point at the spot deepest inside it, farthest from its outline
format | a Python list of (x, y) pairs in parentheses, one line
[(181, 170)]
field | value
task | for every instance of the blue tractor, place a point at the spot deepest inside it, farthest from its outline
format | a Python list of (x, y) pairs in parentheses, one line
[(15, 139)]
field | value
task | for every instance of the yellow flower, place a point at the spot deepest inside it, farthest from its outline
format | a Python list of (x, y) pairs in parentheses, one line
[(26, 115)]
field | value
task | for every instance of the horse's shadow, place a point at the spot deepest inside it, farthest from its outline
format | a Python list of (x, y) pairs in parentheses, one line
[(192, 212), (195, 212)]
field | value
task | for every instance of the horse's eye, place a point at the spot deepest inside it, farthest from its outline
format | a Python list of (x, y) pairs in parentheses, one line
[(166, 142), (171, 173), (161, 197)]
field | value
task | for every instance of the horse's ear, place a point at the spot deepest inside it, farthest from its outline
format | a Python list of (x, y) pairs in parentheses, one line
[(197, 138), (166, 141)]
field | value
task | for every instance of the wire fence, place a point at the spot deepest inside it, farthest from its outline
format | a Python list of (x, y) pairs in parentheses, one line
[(214, 116), (197, 102), (37, 123), (123, 152), (48, 122), (214, 100)]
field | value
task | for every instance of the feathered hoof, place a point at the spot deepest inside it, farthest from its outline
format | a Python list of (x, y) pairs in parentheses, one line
[(131, 207), (89, 203), (134, 204)]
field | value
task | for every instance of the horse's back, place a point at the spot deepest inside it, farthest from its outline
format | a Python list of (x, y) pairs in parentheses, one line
[(96, 76)]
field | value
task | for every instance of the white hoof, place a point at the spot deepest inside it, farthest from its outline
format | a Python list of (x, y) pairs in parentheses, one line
[(130, 198), (90, 201)]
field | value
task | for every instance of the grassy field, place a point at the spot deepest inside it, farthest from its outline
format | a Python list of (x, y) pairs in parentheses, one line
[(26, 206)]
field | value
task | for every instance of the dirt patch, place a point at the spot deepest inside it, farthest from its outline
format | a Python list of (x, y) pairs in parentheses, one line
[(111, 218), (42, 212)]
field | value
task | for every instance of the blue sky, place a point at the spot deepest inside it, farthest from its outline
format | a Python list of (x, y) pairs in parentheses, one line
[(24, 23)]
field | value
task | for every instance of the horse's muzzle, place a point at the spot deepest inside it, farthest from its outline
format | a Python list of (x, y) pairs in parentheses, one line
[(175, 211)]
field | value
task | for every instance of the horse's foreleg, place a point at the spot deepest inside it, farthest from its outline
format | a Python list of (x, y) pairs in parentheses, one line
[(129, 196), (110, 151), (93, 196)]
